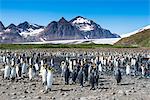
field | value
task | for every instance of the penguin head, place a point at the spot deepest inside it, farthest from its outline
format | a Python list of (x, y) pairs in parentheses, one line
[(62, 63), (94, 65), (13, 66), (45, 66), (30, 66), (50, 69), (4, 65)]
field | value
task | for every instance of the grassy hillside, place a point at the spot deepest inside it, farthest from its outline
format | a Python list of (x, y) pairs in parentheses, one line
[(141, 39)]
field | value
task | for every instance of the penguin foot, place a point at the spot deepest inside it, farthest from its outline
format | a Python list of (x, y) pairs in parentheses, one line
[(12, 79), (44, 84), (66, 83), (97, 87), (73, 83)]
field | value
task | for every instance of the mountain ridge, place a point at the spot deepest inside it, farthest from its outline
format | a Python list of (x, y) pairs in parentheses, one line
[(77, 28)]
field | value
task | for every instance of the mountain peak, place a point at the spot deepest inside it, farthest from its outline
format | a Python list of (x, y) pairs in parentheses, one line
[(83, 24), (2, 27), (77, 28), (79, 17), (25, 25), (25, 22), (63, 20), (11, 26)]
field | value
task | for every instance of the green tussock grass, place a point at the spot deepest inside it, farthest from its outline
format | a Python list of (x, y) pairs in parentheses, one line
[(42, 46), (141, 39)]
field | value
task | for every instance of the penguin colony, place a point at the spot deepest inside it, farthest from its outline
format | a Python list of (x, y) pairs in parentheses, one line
[(75, 68)]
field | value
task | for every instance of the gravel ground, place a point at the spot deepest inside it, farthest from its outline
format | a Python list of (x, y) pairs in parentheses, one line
[(130, 88)]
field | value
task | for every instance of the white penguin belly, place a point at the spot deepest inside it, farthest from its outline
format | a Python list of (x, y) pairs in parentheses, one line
[(143, 71), (7, 71), (13, 72), (100, 67), (41, 70), (17, 70), (63, 70), (44, 76), (128, 70), (49, 80), (36, 66), (30, 73), (24, 68)]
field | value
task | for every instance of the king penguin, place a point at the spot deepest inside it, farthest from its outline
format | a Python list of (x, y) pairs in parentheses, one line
[(31, 72), (118, 76), (44, 74), (70, 66), (49, 79), (67, 75), (13, 73), (81, 76), (24, 68), (36, 66), (7, 72), (127, 69), (100, 68), (74, 75), (42, 66), (63, 65), (92, 80)]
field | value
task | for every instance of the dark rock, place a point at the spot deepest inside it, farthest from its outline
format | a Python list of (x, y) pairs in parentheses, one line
[(14, 93), (26, 91), (14, 97), (38, 97), (53, 98), (3, 92), (33, 84), (24, 96), (62, 93), (113, 93), (121, 92)]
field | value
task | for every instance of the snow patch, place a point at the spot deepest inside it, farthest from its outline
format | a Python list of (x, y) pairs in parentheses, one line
[(81, 20), (7, 30), (83, 24), (1, 33), (31, 32), (86, 27), (43, 40)]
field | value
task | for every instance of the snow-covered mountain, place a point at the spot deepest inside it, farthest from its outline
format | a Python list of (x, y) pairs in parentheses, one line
[(77, 28), (136, 31), (27, 29), (90, 29), (22, 32)]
